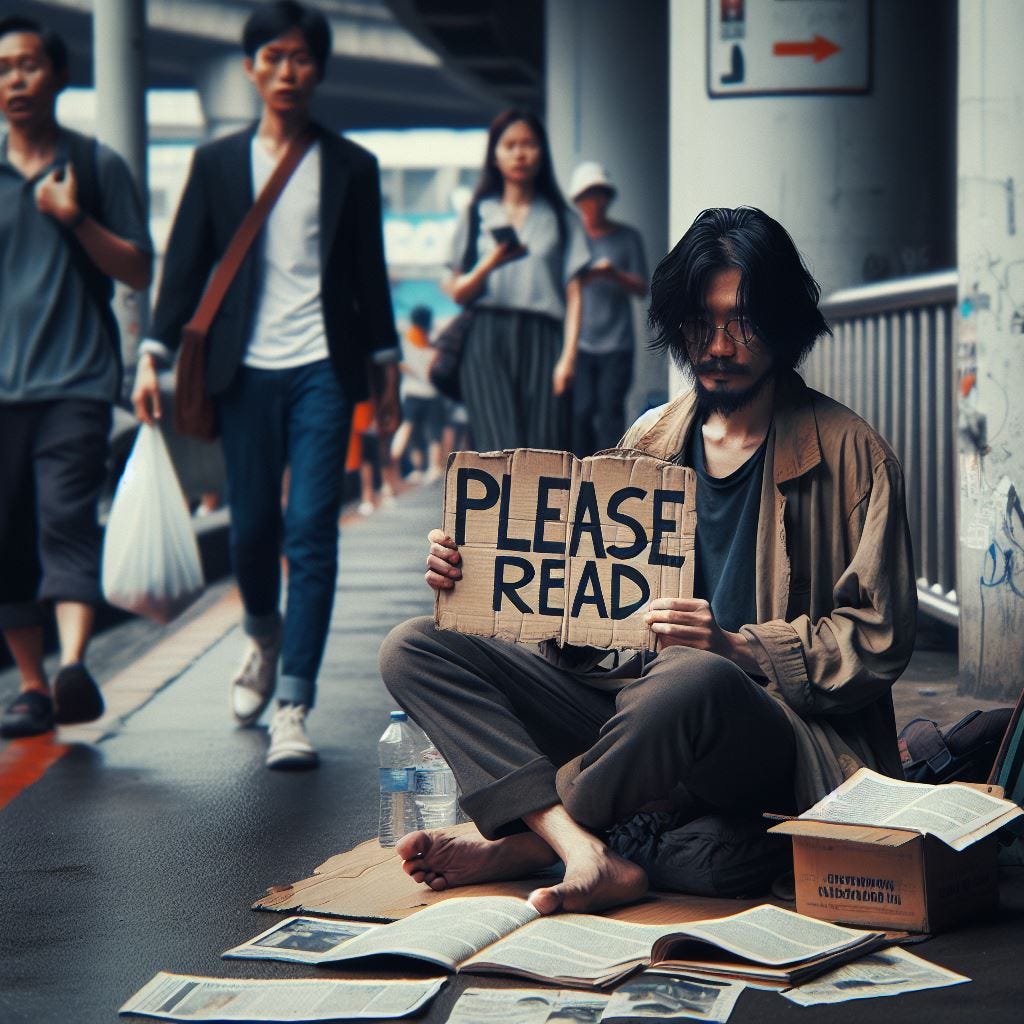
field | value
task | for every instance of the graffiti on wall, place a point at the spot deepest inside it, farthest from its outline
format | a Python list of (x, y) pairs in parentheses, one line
[(1003, 561)]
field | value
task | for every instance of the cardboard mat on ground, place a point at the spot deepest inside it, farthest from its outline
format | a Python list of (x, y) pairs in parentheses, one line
[(368, 882), (555, 547)]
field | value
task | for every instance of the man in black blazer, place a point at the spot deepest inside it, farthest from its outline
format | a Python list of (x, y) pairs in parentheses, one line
[(304, 326)]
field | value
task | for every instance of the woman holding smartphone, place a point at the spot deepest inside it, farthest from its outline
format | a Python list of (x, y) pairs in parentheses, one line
[(516, 259)]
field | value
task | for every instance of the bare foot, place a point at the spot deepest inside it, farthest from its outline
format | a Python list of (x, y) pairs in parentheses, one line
[(595, 879), (443, 861)]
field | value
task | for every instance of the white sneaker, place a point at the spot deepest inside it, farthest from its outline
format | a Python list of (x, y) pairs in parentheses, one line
[(254, 683), (289, 745), (366, 508)]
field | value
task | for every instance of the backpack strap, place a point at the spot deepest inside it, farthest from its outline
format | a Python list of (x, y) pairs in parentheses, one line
[(921, 742), (83, 157)]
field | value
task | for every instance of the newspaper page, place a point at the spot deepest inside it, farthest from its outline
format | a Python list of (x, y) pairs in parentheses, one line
[(526, 1006), (186, 998), (954, 813), (887, 972), (445, 934), (668, 995), (571, 948), (300, 940), (773, 936)]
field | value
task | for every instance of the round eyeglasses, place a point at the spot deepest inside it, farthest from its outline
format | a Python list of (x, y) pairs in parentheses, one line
[(699, 333)]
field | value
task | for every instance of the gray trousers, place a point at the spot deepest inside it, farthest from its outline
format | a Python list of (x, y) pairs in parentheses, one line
[(522, 733)]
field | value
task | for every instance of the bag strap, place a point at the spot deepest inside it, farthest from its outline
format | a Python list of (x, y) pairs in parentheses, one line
[(245, 235), (471, 252)]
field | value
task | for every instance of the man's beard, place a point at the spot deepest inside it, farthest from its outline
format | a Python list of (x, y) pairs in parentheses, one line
[(725, 401)]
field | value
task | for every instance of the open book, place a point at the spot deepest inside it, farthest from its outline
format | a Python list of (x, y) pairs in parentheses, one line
[(957, 814), (505, 935)]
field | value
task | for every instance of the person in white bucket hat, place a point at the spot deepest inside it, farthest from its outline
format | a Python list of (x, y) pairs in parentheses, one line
[(617, 273)]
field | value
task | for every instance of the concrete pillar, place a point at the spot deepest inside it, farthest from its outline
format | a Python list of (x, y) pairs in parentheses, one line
[(990, 230), (119, 67), (226, 95), (606, 69)]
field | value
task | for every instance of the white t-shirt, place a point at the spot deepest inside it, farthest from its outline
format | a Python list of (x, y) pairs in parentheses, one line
[(288, 328), (416, 360)]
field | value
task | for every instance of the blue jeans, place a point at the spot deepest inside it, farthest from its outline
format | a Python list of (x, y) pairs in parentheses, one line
[(270, 420)]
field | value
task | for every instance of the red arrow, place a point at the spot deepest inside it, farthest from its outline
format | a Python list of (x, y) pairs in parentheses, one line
[(819, 48)]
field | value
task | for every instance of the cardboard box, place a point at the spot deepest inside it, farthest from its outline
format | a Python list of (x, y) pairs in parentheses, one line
[(555, 547), (891, 878)]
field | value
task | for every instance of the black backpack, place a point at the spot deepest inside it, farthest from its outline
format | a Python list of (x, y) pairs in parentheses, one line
[(962, 752)]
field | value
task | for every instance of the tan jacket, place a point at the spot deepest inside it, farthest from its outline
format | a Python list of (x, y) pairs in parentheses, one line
[(836, 594)]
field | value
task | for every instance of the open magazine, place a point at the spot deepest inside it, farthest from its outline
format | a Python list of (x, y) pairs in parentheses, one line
[(957, 814), (505, 935)]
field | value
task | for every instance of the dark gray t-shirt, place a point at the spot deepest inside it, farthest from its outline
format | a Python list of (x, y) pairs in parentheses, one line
[(607, 320), (53, 342), (728, 509)]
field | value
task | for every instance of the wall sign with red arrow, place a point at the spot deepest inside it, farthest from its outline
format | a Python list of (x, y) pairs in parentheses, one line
[(795, 47)]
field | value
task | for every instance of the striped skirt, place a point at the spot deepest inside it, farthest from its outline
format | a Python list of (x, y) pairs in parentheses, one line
[(508, 361)]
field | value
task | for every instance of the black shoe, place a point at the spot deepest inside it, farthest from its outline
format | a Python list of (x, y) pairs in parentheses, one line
[(77, 696), (29, 714)]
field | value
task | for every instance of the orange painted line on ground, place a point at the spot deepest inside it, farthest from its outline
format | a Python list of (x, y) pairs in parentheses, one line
[(23, 762)]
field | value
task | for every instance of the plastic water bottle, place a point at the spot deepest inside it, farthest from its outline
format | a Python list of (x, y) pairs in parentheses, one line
[(397, 750), (436, 790)]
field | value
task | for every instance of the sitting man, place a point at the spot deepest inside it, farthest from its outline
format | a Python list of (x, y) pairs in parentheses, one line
[(770, 686)]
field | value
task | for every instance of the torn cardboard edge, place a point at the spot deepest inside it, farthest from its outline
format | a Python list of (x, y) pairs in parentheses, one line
[(368, 883), (559, 548)]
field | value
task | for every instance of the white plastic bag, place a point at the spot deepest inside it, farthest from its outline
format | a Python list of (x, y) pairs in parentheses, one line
[(150, 557)]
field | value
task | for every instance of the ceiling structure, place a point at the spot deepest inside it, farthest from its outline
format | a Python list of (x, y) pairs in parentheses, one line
[(496, 45), (395, 63)]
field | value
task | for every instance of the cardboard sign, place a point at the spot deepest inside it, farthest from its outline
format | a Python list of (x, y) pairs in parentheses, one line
[(555, 547)]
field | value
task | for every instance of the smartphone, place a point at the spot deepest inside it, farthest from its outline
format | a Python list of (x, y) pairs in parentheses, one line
[(506, 235)]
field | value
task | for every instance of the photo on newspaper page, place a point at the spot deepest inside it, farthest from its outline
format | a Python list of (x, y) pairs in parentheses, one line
[(887, 972), (664, 995), (187, 998), (300, 940), (527, 1006)]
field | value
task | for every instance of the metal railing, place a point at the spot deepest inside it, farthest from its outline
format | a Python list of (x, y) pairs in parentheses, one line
[(891, 361)]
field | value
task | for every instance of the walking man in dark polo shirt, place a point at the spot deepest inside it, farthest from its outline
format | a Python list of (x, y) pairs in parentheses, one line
[(70, 222)]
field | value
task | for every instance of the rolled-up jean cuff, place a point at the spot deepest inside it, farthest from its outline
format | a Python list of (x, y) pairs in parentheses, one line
[(296, 690), (498, 808), (261, 627), (22, 614)]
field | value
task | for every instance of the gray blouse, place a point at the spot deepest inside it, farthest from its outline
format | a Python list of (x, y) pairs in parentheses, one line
[(537, 281)]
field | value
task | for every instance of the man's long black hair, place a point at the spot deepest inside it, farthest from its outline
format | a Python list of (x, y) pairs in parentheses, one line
[(776, 290)]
